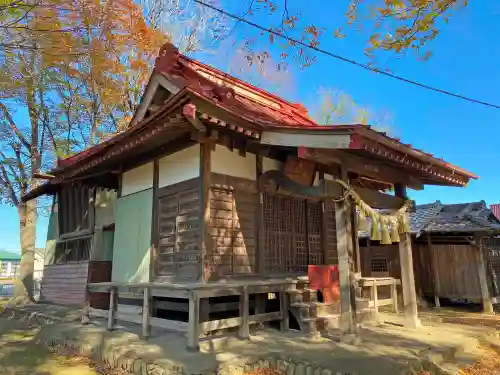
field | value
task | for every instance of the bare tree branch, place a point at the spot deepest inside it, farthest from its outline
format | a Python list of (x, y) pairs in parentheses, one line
[(13, 126)]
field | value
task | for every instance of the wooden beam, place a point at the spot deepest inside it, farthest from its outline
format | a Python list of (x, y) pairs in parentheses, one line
[(407, 273), (305, 139), (189, 112), (376, 199), (361, 166), (483, 280)]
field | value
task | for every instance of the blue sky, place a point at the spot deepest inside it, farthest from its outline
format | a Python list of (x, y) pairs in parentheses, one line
[(465, 60)]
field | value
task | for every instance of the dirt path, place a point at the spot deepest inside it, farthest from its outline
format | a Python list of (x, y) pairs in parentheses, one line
[(19, 354)]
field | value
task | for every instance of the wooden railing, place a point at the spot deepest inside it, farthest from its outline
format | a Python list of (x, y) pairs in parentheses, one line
[(194, 328), (373, 283)]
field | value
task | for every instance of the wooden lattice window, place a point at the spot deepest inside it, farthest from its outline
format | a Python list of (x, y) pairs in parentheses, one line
[(292, 234), (379, 265), (73, 250), (178, 221), (75, 208)]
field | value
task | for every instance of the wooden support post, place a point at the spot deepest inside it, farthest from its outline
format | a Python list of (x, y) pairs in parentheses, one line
[(344, 272), (285, 322), (205, 243), (112, 307), (355, 239), (437, 302), (394, 296), (259, 218), (483, 280), (145, 313), (154, 222), (86, 307), (375, 295), (408, 282), (244, 331), (407, 273), (435, 272), (194, 322), (345, 260)]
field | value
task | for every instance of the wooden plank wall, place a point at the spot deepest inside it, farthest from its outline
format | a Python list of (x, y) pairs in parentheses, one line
[(99, 272), (423, 269), (178, 229), (388, 252), (492, 252), (456, 271), (232, 227), (65, 284)]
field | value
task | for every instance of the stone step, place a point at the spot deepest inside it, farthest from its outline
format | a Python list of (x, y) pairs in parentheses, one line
[(322, 324), (316, 309), (302, 295)]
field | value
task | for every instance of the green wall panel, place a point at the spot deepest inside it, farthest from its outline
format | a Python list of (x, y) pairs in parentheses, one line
[(132, 237)]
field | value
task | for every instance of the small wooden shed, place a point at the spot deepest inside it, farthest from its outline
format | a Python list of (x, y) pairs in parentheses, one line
[(456, 253)]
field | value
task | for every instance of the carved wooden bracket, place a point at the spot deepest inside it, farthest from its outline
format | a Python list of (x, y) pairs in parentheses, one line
[(275, 181)]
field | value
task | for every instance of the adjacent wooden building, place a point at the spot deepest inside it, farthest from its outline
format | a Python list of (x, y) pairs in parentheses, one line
[(206, 213), (455, 249)]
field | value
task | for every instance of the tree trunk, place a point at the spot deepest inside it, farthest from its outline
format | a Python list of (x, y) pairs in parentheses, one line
[(23, 288)]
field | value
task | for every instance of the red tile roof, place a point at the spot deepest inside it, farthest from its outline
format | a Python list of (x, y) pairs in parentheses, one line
[(262, 110), (236, 96)]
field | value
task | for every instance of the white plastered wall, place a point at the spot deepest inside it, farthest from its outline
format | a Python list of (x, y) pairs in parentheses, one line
[(137, 179), (180, 166), (230, 163)]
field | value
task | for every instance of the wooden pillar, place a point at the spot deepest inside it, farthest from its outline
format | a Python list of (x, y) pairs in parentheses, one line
[(194, 322), (394, 296), (346, 262), (145, 313), (375, 296), (483, 280), (435, 272), (407, 273), (285, 323), (355, 238), (344, 266), (86, 307), (244, 331), (112, 307), (259, 218), (205, 243), (154, 222)]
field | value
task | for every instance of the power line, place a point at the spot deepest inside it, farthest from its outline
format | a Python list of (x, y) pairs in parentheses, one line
[(347, 60)]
